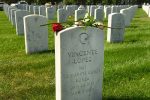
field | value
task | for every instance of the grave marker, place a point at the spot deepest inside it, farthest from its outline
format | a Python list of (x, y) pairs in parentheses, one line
[(117, 24), (79, 54), (36, 36), (19, 14)]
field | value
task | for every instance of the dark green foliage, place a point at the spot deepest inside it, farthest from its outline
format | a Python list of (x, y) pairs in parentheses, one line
[(117, 2)]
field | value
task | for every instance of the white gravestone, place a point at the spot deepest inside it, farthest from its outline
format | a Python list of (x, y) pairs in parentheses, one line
[(31, 10), (19, 14), (107, 11), (79, 14), (88, 9), (92, 10), (36, 36), (9, 12), (61, 15), (42, 10), (81, 7), (70, 10), (13, 17), (20, 6), (50, 13), (113, 9), (36, 10), (117, 24), (99, 14), (127, 15), (79, 54)]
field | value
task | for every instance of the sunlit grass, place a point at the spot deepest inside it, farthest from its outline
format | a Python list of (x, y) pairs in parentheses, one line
[(32, 77)]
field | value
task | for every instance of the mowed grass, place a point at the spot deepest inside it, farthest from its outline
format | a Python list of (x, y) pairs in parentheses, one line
[(32, 77)]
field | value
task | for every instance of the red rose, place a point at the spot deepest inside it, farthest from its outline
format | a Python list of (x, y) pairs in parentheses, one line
[(57, 27)]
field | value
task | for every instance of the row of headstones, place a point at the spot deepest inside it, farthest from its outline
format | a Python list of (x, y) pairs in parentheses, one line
[(75, 78), (98, 12), (117, 23), (146, 8), (27, 24), (129, 14), (62, 14), (114, 34), (114, 9), (49, 12), (79, 55)]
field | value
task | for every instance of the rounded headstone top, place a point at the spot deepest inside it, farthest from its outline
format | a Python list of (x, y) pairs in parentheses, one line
[(48, 4), (81, 7), (100, 7)]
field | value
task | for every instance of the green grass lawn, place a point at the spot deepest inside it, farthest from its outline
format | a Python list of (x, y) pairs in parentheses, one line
[(32, 77)]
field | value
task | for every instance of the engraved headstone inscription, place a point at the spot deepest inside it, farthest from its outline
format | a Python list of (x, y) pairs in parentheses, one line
[(79, 54)]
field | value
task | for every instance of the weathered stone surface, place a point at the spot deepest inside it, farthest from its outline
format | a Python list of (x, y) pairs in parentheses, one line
[(36, 36), (79, 59), (19, 14), (61, 15), (79, 14), (99, 14), (117, 24), (50, 13), (36, 9), (42, 10)]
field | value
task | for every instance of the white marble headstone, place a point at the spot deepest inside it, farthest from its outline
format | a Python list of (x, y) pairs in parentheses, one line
[(79, 60), (50, 13), (31, 10), (81, 7), (36, 10), (99, 14), (92, 10), (61, 15), (127, 15), (13, 17), (79, 14), (9, 12), (70, 10), (36, 36), (113, 9), (42, 10), (19, 14), (107, 11), (117, 24)]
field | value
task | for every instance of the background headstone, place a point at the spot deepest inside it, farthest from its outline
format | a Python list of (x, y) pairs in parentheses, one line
[(19, 14), (117, 24), (127, 15), (50, 13), (99, 14), (13, 17), (36, 36), (92, 10), (79, 14), (61, 15), (36, 9), (31, 10), (42, 10), (107, 11)]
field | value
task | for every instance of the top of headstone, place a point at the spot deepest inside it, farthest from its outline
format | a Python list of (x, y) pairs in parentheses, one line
[(100, 7), (81, 7)]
